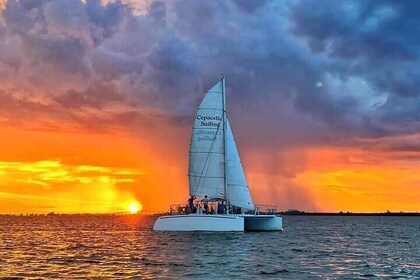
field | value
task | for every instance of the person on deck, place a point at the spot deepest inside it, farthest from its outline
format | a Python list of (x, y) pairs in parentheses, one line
[(221, 208), (191, 204), (205, 201)]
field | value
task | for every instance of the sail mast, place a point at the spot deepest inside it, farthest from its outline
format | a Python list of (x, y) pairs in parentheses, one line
[(225, 141)]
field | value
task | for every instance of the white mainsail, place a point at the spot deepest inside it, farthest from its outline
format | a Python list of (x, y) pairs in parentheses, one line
[(207, 154), (206, 165)]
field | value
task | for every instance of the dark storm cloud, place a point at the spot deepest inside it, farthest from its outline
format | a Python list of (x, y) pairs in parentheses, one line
[(375, 40), (67, 18), (60, 33), (264, 58), (356, 29), (348, 68)]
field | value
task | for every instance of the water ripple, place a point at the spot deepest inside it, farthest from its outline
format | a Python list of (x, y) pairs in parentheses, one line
[(123, 247)]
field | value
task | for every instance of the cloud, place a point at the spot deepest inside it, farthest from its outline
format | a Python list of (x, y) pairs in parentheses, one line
[(370, 41), (167, 55), (93, 97)]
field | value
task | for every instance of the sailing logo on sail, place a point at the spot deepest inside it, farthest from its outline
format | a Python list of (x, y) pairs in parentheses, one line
[(209, 121)]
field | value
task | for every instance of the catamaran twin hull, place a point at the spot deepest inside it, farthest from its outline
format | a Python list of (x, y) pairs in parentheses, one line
[(197, 222), (215, 172)]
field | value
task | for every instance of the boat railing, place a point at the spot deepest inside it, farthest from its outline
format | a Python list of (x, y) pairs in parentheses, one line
[(179, 209), (176, 209), (264, 209)]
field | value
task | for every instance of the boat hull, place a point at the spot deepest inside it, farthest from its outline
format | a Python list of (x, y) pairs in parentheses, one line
[(263, 223), (196, 222)]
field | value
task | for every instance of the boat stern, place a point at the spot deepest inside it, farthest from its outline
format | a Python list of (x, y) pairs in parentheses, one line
[(263, 223)]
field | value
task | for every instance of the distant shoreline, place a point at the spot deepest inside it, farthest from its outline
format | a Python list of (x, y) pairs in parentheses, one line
[(349, 214), (286, 213)]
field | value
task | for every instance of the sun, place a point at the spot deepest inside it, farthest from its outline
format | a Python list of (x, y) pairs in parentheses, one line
[(134, 208)]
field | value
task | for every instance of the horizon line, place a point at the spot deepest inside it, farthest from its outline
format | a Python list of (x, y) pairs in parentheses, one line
[(288, 212)]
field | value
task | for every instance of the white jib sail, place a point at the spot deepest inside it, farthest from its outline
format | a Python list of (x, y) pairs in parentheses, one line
[(237, 188), (206, 158)]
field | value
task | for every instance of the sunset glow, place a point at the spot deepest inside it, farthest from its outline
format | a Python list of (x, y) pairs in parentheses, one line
[(97, 104), (134, 208)]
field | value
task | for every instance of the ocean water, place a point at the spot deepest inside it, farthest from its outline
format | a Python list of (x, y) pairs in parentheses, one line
[(125, 247)]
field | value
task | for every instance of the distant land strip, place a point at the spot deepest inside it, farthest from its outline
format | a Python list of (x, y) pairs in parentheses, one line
[(285, 213), (388, 213)]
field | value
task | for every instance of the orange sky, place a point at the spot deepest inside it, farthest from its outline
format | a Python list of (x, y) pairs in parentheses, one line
[(52, 171)]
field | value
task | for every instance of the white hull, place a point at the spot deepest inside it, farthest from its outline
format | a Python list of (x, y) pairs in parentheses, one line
[(197, 222)]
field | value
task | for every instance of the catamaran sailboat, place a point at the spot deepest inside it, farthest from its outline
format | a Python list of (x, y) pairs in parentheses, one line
[(215, 171)]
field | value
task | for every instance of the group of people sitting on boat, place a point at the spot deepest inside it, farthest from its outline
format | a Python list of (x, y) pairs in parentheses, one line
[(206, 206)]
